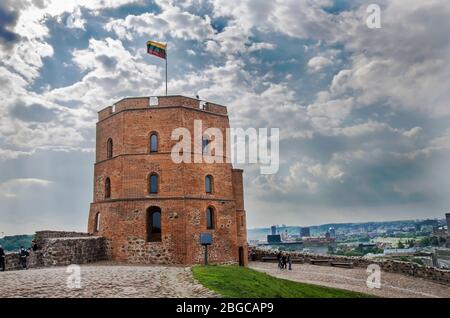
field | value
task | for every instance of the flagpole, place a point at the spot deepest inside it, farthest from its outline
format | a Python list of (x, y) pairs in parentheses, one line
[(166, 72)]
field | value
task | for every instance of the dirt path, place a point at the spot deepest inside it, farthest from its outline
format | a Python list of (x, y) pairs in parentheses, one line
[(392, 285), (104, 280)]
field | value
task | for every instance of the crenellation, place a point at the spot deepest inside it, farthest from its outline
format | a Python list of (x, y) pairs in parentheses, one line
[(176, 101)]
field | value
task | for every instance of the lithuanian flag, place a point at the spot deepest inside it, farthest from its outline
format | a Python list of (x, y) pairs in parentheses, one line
[(156, 48)]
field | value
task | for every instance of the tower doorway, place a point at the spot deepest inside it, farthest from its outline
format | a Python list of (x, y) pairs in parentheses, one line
[(154, 224), (241, 256)]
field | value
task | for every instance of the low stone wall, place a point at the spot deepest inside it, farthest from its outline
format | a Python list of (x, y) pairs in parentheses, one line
[(392, 266), (41, 236), (65, 249), (73, 250), (12, 261)]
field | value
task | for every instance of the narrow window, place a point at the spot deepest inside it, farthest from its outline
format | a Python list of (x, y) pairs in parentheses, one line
[(209, 218), (208, 184), (154, 224), (153, 143), (153, 183), (97, 222), (205, 144), (109, 149), (107, 188)]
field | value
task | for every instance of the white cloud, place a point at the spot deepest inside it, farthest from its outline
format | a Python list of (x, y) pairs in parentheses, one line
[(413, 132), (179, 24), (261, 46), (13, 188), (112, 73), (317, 63), (7, 154), (330, 113), (75, 20)]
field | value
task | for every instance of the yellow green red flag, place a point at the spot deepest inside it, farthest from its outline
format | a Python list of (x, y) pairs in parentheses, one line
[(157, 49)]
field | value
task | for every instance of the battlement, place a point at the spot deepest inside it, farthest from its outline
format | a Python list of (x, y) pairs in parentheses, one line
[(159, 102)]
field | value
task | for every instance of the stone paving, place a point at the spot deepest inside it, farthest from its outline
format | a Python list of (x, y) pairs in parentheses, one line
[(392, 285), (113, 280), (104, 280)]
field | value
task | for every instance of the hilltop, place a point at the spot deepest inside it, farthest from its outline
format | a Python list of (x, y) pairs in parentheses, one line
[(14, 242)]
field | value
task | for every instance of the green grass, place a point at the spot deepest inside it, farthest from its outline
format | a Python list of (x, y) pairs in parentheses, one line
[(241, 282)]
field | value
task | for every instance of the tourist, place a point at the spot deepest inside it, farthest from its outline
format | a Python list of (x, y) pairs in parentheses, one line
[(2, 259), (283, 262), (289, 260), (280, 264), (23, 254)]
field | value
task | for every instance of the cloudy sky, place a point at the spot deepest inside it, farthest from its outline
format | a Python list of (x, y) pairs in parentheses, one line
[(363, 113)]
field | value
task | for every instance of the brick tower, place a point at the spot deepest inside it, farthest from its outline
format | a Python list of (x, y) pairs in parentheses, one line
[(153, 210)]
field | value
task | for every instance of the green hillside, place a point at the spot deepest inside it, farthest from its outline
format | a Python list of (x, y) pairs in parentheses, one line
[(13, 243), (242, 282)]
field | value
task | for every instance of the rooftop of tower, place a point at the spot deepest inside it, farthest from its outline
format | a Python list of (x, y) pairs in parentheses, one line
[(146, 102)]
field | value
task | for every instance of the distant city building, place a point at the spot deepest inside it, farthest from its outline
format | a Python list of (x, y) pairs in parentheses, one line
[(447, 218), (305, 232), (400, 251), (318, 240), (332, 232), (366, 246), (273, 229), (440, 232), (274, 238), (284, 235)]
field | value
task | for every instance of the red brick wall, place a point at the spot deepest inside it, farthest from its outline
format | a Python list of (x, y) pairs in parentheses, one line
[(181, 194)]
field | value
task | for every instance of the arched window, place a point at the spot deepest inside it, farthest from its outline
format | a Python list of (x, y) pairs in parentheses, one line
[(208, 184), (153, 224), (209, 218), (153, 183), (205, 144), (153, 142), (109, 149), (107, 188), (97, 222)]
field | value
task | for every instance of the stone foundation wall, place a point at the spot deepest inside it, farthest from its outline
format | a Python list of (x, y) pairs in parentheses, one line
[(139, 251), (62, 249), (12, 261), (392, 266), (74, 250)]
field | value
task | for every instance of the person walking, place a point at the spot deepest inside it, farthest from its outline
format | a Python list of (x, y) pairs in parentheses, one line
[(289, 260), (279, 256), (2, 259), (283, 262), (23, 254)]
